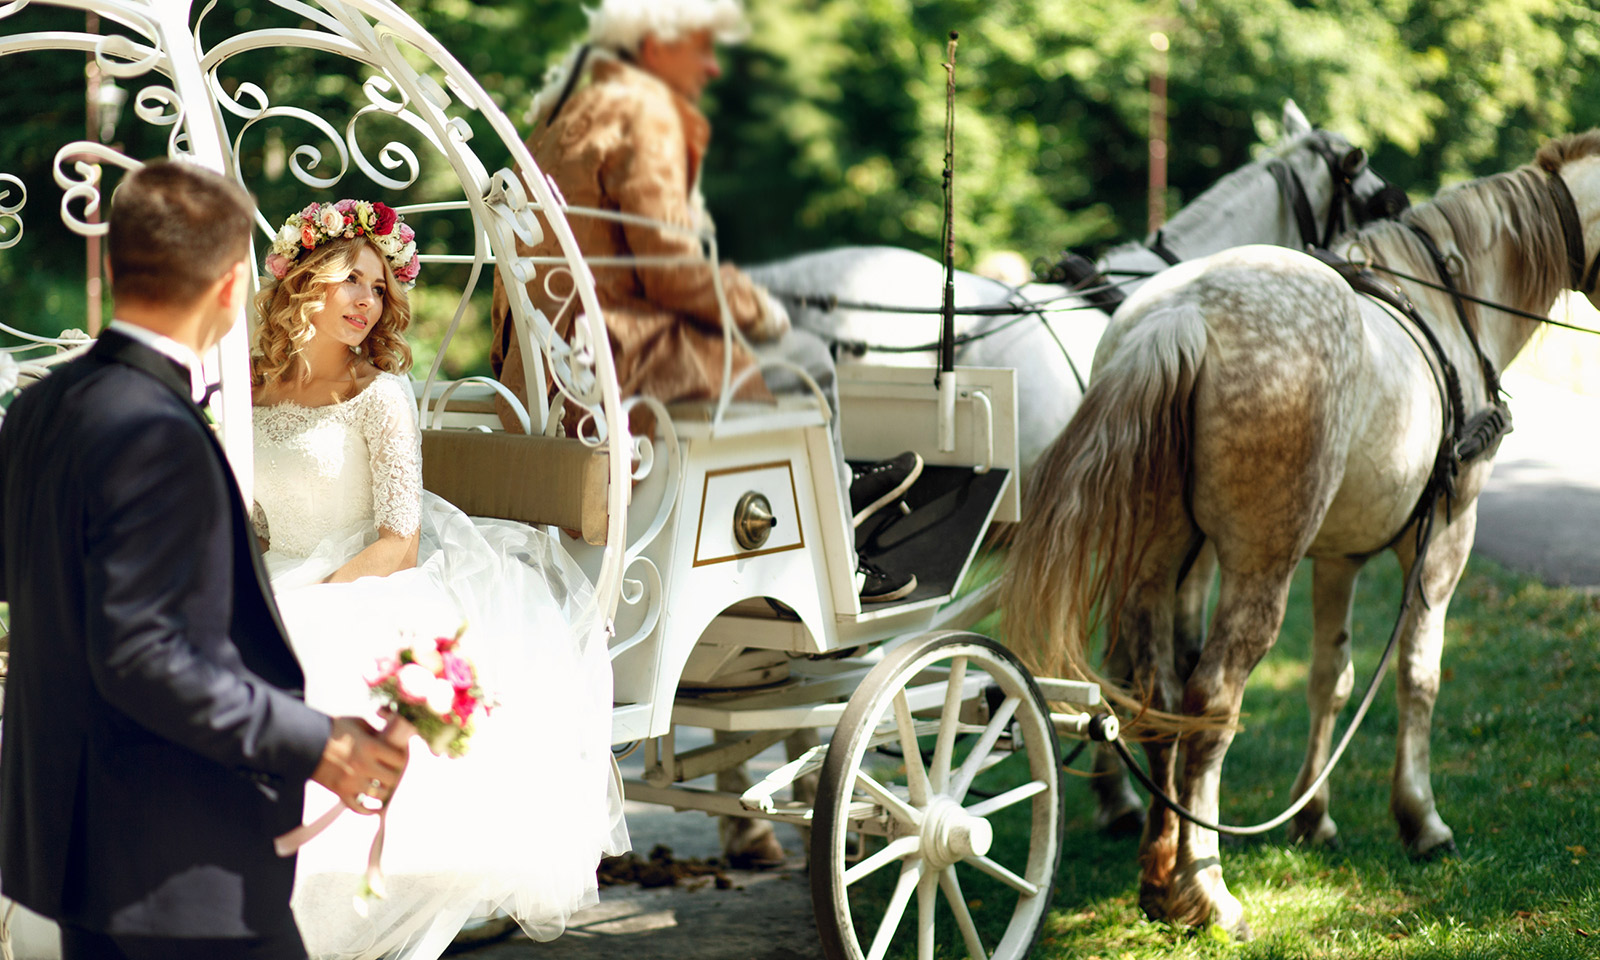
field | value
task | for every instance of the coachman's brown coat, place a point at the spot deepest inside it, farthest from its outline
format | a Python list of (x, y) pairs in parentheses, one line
[(628, 142)]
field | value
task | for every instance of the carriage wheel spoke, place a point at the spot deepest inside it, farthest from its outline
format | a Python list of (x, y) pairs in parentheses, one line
[(897, 807), (916, 776), (974, 762), (944, 745), (927, 901), (894, 850), (1004, 876), (909, 875), (1013, 796), (958, 906)]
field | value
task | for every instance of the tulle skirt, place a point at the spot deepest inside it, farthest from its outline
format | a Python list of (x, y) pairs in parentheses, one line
[(518, 824)]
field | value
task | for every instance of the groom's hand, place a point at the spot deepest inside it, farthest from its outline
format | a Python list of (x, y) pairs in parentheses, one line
[(357, 762)]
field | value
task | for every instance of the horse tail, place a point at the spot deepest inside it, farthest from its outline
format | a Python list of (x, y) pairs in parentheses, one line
[(1098, 497)]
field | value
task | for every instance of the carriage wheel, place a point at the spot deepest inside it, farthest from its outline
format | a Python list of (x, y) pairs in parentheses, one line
[(926, 796)]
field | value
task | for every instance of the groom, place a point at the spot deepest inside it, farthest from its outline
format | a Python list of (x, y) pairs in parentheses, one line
[(155, 735)]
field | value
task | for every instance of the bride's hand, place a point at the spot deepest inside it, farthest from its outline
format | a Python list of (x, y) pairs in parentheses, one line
[(357, 762)]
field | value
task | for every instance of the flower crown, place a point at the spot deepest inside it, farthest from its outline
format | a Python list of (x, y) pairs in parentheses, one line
[(345, 220)]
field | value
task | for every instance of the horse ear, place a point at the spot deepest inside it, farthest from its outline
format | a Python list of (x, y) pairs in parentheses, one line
[(1295, 123), (1354, 162)]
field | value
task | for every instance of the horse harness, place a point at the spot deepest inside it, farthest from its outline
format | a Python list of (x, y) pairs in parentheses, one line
[(1078, 271), (1463, 439)]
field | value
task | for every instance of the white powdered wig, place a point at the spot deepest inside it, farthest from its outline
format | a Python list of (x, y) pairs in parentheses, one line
[(618, 27), (623, 24)]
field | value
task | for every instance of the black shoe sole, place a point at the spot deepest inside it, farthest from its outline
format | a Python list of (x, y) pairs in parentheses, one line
[(866, 512)]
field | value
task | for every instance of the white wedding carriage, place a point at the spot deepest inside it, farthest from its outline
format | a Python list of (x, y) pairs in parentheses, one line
[(722, 556)]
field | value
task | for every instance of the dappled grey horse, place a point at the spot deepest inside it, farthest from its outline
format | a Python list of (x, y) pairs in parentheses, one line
[(1254, 204), (1255, 401)]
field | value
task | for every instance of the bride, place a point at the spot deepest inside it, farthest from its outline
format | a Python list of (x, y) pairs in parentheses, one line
[(364, 562)]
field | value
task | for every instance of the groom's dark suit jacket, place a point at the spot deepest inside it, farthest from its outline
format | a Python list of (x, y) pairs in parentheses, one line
[(155, 740)]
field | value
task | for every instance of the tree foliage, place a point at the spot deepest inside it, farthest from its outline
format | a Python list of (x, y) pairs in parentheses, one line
[(829, 122)]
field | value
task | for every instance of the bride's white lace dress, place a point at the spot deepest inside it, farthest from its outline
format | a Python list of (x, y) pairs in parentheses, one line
[(520, 822)]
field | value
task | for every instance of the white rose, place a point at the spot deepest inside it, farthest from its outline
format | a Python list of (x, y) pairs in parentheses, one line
[(8, 374), (415, 682), (332, 220), (441, 696), (389, 242), (407, 252), (288, 237)]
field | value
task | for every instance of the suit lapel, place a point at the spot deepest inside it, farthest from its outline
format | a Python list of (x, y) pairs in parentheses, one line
[(116, 347)]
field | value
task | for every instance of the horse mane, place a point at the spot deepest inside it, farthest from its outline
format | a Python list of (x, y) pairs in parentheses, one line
[(1477, 214)]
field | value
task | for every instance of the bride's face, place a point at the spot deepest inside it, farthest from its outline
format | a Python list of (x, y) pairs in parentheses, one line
[(354, 305)]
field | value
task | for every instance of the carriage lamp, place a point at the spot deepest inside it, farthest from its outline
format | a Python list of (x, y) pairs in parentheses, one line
[(753, 521)]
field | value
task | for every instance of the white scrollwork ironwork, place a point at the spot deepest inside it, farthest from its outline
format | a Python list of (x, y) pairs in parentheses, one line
[(85, 186), (11, 212), (217, 106)]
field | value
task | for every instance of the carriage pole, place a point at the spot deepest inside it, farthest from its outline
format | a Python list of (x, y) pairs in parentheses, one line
[(945, 379)]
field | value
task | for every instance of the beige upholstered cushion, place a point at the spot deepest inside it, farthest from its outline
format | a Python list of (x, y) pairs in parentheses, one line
[(537, 480)]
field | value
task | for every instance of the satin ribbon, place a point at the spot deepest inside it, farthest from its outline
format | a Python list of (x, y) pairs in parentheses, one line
[(397, 732)]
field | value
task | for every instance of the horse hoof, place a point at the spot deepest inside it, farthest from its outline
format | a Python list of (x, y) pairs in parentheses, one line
[(1324, 834), (1128, 823), (1241, 932), (1438, 851)]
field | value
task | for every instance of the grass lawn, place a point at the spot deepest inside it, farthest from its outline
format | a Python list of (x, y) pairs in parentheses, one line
[(1516, 761)]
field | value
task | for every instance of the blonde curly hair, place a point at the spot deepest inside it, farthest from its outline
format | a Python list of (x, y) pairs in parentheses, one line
[(284, 309)]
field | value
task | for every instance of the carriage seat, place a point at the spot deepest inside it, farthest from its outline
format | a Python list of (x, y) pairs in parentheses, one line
[(486, 472)]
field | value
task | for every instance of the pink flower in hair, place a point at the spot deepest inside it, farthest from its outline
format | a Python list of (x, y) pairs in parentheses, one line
[(409, 272), (310, 212), (278, 265), (308, 237), (406, 233), (345, 206)]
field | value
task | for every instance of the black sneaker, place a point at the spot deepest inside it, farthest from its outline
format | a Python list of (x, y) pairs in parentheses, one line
[(874, 487), (882, 586)]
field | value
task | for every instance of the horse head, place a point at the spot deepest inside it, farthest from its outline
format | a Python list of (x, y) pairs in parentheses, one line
[(1320, 171)]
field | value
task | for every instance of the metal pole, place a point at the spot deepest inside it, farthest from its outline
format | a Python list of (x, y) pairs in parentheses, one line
[(92, 288), (1158, 133), (945, 380)]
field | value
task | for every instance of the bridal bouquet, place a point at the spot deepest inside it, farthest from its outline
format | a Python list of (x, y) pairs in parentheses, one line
[(428, 690), (434, 688)]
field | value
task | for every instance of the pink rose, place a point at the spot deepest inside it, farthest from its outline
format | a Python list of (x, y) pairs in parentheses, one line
[(278, 265), (345, 206), (385, 218), (409, 272), (308, 237), (415, 683), (458, 671), (406, 233), (310, 212), (332, 220)]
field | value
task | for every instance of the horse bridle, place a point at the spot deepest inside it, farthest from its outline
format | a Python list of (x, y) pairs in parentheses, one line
[(1567, 209), (1386, 204)]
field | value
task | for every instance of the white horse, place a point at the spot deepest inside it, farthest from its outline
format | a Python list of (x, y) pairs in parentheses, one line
[(1251, 205), (1255, 401)]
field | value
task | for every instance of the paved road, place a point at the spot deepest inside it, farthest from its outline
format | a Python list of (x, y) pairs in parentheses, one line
[(1541, 510), (764, 915)]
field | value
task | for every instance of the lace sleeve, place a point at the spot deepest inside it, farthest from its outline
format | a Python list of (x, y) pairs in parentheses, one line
[(258, 520), (389, 424)]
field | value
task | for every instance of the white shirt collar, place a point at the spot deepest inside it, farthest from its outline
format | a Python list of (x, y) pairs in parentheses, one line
[(169, 347)]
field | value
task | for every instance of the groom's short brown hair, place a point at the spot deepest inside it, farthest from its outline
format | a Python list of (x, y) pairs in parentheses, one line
[(175, 229)]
